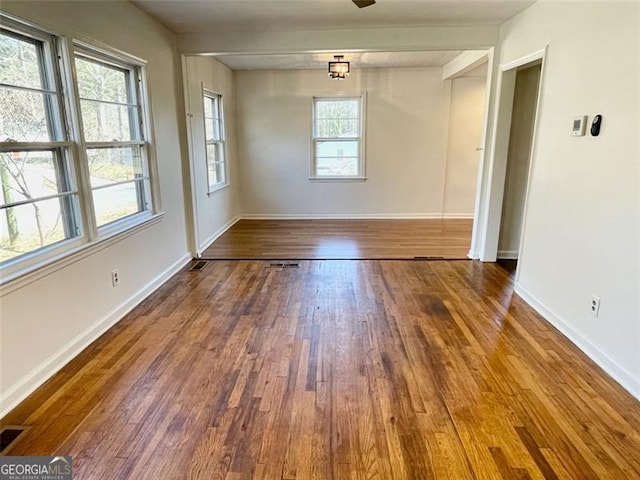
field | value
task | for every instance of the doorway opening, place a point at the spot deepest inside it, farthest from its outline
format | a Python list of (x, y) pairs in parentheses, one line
[(500, 224), (525, 99)]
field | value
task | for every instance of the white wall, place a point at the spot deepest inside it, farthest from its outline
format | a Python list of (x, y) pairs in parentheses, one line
[(520, 141), (213, 211), (406, 143), (46, 322), (581, 232), (465, 135)]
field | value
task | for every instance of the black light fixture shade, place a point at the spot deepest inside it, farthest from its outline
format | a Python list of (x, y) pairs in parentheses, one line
[(339, 69), (363, 3)]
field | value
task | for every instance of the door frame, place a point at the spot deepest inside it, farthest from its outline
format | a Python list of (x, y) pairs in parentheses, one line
[(492, 175)]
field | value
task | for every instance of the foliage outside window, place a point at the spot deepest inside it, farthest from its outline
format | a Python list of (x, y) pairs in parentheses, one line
[(59, 188), (113, 136), (337, 137), (214, 141)]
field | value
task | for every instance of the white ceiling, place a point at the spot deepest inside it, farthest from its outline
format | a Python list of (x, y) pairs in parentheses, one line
[(202, 16), (319, 60)]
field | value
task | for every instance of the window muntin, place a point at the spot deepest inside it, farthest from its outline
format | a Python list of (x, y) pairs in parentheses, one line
[(337, 137), (214, 141), (110, 111), (39, 204)]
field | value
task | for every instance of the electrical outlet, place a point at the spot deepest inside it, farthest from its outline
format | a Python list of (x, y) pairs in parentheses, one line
[(115, 278), (594, 307)]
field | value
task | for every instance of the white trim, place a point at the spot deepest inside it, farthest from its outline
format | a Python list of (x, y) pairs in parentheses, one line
[(192, 209), (464, 63), (327, 179), (352, 216), (508, 254), (36, 271), (40, 374), (478, 205), (525, 60), (207, 242), (625, 378)]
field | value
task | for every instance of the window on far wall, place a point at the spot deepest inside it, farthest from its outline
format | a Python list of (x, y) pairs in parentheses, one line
[(337, 137), (214, 141), (113, 136)]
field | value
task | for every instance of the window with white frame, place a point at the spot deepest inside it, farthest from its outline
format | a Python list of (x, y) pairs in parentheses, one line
[(337, 137), (74, 160), (39, 204), (214, 141), (113, 136)]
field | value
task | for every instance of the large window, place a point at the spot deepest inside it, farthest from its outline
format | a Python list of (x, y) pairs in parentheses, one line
[(337, 137), (214, 141), (113, 136), (74, 162), (39, 204)]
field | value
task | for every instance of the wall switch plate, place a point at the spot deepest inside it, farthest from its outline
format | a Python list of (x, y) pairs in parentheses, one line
[(579, 126)]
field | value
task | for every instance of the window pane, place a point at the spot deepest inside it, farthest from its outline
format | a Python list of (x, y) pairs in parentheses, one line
[(116, 202), (212, 129), (337, 149), (212, 172), (20, 64), (28, 227), (109, 165), (220, 173), (101, 82), (28, 175), (208, 107), (105, 122), (337, 128), (23, 116), (337, 108), (337, 166), (212, 153)]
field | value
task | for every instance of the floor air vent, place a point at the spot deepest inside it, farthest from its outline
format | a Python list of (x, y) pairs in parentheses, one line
[(197, 266), (8, 437), (283, 265)]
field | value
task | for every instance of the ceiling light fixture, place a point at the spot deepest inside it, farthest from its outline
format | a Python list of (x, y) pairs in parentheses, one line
[(339, 69)]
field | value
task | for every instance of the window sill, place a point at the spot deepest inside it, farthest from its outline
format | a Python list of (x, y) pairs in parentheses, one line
[(216, 189), (36, 271), (338, 179)]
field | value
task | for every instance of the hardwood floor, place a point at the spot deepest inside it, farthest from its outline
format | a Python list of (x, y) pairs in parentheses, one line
[(336, 369), (343, 239)]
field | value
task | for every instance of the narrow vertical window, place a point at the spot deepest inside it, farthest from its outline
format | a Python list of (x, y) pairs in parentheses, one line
[(214, 141), (113, 136), (337, 137), (39, 200)]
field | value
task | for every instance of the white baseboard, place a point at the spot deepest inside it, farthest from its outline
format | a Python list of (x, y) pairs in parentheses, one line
[(36, 377), (351, 216), (628, 381), (508, 254), (207, 242)]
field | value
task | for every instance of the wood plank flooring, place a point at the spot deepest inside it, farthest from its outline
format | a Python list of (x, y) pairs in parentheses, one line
[(343, 239), (335, 370)]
